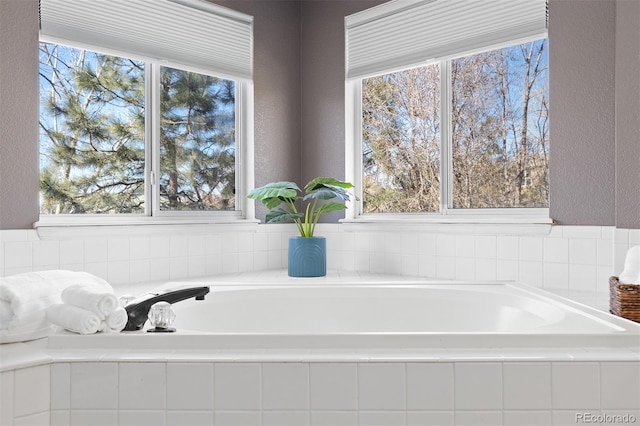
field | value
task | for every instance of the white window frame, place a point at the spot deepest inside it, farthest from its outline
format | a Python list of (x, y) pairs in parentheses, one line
[(244, 160), (447, 214)]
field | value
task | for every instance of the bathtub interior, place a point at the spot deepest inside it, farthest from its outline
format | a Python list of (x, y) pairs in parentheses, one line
[(407, 316)]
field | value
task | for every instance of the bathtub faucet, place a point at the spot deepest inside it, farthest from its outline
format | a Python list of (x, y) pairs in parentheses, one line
[(138, 308)]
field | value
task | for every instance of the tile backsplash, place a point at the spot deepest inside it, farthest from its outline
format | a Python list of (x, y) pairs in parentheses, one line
[(569, 257)]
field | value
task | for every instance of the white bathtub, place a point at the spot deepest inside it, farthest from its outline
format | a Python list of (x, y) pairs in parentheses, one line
[(378, 316)]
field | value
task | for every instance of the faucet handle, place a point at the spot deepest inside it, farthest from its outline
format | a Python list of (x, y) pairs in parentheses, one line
[(161, 316)]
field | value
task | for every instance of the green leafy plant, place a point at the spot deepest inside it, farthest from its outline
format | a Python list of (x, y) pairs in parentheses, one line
[(317, 192)]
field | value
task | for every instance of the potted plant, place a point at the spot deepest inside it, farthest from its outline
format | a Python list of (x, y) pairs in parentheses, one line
[(307, 253)]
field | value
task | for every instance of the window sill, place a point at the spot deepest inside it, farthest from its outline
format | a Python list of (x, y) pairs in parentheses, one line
[(456, 224), (77, 228)]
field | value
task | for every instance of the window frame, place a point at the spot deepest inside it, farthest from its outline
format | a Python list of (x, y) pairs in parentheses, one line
[(447, 214), (153, 215)]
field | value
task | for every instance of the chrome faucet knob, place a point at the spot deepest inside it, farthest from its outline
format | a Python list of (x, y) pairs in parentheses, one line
[(161, 316)]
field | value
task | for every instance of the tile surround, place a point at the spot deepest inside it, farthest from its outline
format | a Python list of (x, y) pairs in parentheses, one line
[(494, 392), (571, 258)]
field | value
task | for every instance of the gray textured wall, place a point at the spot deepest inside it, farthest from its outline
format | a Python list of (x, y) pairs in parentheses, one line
[(581, 98), (628, 114), (299, 89), (18, 113)]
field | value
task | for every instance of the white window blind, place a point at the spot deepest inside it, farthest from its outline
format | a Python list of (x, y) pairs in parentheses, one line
[(405, 33), (195, 33)]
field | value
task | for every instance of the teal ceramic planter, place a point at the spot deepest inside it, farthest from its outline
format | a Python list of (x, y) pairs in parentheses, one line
[(307, 257)]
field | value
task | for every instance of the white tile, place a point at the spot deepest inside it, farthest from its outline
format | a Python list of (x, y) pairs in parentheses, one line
[(178, 246), (583, 277), (46, 253), (159, 269), (285, 418), (575, 385), (410, 242), (285, 386), (196, 265), (230, 262), (260, 241), (465, 269), (178, 267), (604, 252), (486, 246), (581, 231), (140, 417), (17, 254), (508, 248), (478, 418), (620, 385), (429, 386), (347, 260), (334, 418), (446, 245), (118, 272), (478, 385), (556, 275), (430, 418), (189, 418), (486, 269), (556, 250), (634, 237), (410, 266), (571, 418), (381, 418), (99, 269), (118, 249), (189, 386), (59, 418), (139, 270), (141, 386), (139, 248), (465, 245), (32, 390), (527, 418), (237, 386), (196, 245), (39, 419), (237, 418), (6, 397), (427, 266), (95, 250), (527, 385), (159, 247), (60, 386), (531, 273), (445, 267), (381, 386), (427, 245), (230, 242), (392, 242), (333, 386), (531, 249), (94, 417), (507, 270), (583, 251)]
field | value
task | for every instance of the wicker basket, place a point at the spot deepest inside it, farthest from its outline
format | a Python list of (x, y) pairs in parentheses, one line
[(624, 299)]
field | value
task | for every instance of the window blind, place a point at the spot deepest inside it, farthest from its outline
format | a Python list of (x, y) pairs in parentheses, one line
[(194, 33), (405, 33)]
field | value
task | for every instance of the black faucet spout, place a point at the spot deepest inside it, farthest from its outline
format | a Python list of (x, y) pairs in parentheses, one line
[(138, 309)]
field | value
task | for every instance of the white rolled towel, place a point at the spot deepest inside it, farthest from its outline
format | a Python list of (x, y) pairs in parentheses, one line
[(631, 272), (97, 300), (116, 321), (73, 318)]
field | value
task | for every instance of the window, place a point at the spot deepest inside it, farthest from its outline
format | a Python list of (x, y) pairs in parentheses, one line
[(449, 100), (151, 121), (497, 110)]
